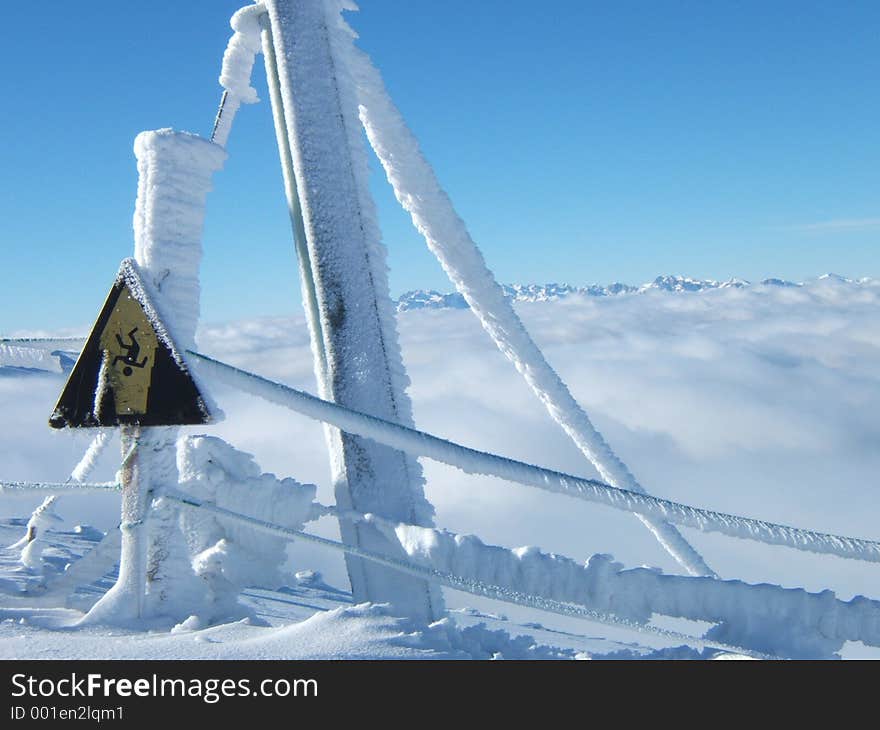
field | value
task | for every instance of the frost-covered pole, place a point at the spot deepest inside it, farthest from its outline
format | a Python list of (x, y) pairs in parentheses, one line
[(174, 178), (175, 171), (124, 602), (307, 281), (132, 580), (354, 337)]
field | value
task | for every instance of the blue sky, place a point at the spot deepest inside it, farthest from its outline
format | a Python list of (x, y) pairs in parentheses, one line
[(581, 142)]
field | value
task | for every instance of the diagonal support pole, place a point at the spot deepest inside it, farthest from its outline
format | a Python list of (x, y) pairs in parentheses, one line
[(419, 192)]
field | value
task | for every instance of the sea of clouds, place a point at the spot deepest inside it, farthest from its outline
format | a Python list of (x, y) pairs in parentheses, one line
[(761, 401)]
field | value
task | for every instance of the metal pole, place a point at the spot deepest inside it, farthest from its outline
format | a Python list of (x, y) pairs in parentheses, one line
[(355, 363), (219, 115)]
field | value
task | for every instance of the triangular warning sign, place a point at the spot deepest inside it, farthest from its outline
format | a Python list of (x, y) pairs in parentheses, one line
[(129, 371)]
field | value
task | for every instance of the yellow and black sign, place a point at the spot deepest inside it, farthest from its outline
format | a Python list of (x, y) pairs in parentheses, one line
[(127, 373)]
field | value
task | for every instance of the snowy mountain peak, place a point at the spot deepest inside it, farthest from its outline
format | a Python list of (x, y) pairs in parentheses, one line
[(734, 283), (779, 282), (679, 284), (431, 299)]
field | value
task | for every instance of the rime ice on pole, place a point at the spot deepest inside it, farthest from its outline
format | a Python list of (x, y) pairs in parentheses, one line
[(174, 177), (355, 342), (238, 65)]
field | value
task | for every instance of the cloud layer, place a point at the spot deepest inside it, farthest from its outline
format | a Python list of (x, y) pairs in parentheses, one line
[(760, 401)]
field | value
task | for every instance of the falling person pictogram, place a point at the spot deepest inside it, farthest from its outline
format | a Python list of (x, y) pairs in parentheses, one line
[(129, 359)]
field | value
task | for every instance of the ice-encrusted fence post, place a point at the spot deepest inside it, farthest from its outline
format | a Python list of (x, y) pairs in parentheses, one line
[(174, 178), (342, 265)]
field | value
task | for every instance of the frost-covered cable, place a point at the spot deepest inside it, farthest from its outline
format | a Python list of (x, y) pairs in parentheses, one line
[(473, 461), (419, 192), (456, 582), (238, 64), (42, 342), (56, 487)]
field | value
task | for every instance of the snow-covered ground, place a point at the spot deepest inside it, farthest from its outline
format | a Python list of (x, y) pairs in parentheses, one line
[(758, 400)]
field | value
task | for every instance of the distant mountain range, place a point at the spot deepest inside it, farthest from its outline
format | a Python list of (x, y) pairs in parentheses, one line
[(42, 356), (431, 299)]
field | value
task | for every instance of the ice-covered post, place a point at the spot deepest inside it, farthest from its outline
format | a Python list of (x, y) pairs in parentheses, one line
[(174, 178), (343, 272), (132, 581)]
